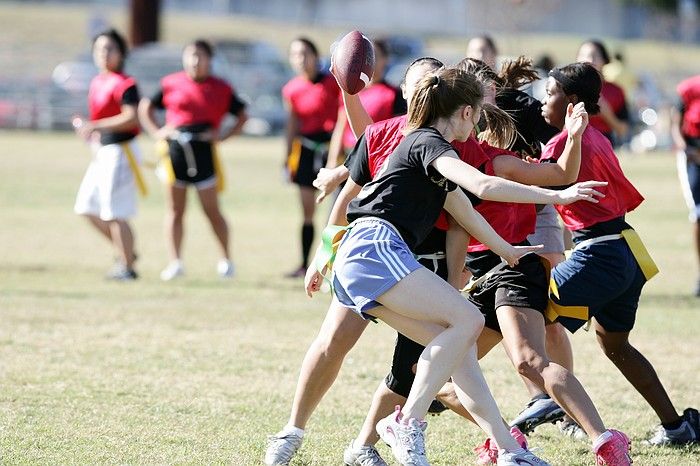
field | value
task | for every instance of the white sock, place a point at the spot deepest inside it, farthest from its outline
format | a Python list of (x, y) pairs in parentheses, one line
[(290, 429), (600, 441)]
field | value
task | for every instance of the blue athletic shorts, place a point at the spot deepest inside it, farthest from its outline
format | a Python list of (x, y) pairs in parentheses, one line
[(605, 277), (371, 259)]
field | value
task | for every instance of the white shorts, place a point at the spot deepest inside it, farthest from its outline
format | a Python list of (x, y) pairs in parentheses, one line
[(108, 189), (548, 232)]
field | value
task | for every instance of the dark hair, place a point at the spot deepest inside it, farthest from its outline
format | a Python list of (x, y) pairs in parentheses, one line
[(489, 41), (307, 42), (203, 45), (118, 39), (600, 48), (382, 46), (513, 75), (581, 80), (545, 63), (428, 61), (439, 95)]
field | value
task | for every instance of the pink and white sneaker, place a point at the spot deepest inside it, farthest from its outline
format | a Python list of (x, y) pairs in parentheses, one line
[(405, 439), (488, 452), (612, 449)]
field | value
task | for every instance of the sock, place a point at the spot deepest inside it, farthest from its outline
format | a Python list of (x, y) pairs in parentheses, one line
[(673, 425), (604, 437), (307, 238), (290, 429)]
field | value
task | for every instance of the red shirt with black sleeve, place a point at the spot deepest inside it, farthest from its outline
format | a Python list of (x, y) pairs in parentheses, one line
[(689, 92), (382, 101), (108, 92), (315, 103)]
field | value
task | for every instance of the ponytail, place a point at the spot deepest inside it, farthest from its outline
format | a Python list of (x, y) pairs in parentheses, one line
[(517, 73), (500, 128)]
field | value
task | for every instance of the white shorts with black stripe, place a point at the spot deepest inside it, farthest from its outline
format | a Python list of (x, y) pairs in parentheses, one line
[(371, 259)]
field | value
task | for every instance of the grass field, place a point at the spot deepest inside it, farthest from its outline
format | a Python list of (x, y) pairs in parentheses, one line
[(200, 371)]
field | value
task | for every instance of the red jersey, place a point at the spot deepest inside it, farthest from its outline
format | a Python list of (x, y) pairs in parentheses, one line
[(314, 103), (381, 139), (512, 221), (599, 163), (615, 97), (106, 96), (689, 92), (190, 102), (380, 102)]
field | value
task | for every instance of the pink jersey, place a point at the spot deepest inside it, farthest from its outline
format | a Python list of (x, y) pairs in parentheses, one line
[(599, 163), (189, 102), (314, 103), (106, 94), (689, 92), (615, 97)]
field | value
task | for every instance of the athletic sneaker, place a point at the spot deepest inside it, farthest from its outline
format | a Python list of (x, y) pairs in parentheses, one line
[(365, 455), (488, 452), (519, 458), (225, 268), (122, 274), (172, 271), (688, 432), (436, 407), (406, 440), (615, 451), (281, 448), (539, 410), (571, 429)]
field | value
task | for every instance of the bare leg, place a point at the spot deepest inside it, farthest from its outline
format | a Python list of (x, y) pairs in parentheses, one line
[(338, 334), (696, 231), (176, 201), (523, 335), (383, 403), (637, 370), (123, 240), (101, 226), (209, 199), (429, 311)]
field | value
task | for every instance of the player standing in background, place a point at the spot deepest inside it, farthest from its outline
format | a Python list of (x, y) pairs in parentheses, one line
[(483, 48), (311, 99), (195, 102), (107, 194), (685, 131), (613, 120)]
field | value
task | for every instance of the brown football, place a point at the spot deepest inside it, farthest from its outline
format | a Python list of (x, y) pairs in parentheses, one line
[(353, 62)]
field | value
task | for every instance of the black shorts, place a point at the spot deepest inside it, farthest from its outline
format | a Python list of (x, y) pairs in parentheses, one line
[(203, 168), (313, 157), (526, 285), (406, 351)]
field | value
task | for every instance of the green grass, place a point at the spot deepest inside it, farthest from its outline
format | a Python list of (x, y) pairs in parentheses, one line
[(200, 371)]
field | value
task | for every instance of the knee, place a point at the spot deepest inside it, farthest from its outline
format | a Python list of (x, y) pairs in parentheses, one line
[(614, 350), (529, 364), (333, 346), (472, 321)]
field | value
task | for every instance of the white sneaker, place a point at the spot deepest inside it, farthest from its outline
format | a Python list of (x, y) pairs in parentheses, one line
[(519, 458), (365, 455), (173, 270), (406, 440), (281, 448), (225, 268)]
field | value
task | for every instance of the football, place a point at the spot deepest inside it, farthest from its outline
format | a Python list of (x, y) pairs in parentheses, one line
[(353, 62)]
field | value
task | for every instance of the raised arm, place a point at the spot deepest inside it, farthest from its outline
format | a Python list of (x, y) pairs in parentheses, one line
[(335, 148), (358, 118), (564, 172)]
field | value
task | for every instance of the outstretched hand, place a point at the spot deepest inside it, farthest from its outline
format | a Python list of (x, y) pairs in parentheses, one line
[(583, 191), (576, 119)]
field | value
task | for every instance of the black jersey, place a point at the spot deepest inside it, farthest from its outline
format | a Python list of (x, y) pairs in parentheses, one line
[(532, 128), (407, 191)]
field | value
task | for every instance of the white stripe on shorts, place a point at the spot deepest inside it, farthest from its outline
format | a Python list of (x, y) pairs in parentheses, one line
[(389, 257)]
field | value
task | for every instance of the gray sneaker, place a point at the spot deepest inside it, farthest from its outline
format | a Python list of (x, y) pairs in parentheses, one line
[(571, 429), (688, 432), (538, 411), (524, 457), (406, 440), (281, 448), (366, 455)]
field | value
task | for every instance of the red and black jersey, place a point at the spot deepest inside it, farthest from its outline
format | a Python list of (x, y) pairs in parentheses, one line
[(382, 101), (615, 97), (196, 103), (599, 163), (315, 103), (108, 92), (689, 92)]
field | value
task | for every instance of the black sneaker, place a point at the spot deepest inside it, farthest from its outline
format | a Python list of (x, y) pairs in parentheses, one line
[(436, 407), (122, 274), (688, 432), (540, 410)]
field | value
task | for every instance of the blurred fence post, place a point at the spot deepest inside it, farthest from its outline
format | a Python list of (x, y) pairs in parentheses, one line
[(144, 21)]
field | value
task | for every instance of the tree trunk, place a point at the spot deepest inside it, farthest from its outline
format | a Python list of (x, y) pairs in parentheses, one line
[(144, 21)]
